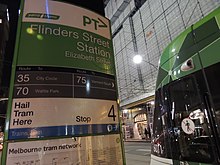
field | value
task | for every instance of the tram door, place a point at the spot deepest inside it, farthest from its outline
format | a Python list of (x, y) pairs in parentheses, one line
[(206, 40), (195, 102), (194, 137)]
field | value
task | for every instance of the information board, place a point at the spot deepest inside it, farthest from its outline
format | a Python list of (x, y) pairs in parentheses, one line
[(64, 99), (92, 150), (82, 102), (59, 71)]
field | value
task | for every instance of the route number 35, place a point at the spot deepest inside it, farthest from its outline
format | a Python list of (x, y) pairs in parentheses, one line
[(23, 78)]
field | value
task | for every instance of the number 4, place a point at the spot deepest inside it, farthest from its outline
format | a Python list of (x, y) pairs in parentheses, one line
[(111, 112)]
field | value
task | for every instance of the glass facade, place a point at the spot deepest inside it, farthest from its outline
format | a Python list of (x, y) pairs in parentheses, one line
[(147, 30)]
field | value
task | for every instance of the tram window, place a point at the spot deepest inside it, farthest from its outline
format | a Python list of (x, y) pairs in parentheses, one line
[(160, 142), (186, 103), (213, 77), (186, 94)]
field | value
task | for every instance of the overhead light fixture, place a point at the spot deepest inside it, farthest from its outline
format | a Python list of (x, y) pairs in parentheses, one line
[(137, 59)]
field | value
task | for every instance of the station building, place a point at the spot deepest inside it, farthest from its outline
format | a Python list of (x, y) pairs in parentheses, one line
[(145, 28)]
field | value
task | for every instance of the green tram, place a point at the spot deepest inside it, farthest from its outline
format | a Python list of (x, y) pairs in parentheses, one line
[(186, 127)]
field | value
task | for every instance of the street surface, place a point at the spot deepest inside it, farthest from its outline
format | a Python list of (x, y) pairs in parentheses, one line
[(137, 153)]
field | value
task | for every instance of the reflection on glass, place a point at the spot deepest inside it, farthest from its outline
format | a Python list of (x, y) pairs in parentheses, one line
[(177, 102), (188, 105)]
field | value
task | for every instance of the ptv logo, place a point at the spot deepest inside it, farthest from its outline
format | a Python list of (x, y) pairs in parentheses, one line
[(96, 23)]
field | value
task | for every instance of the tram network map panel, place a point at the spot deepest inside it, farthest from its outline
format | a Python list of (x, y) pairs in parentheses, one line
[(64, 102)]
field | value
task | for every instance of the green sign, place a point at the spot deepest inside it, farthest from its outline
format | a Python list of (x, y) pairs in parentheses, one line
[(65, 46), (75, 38)]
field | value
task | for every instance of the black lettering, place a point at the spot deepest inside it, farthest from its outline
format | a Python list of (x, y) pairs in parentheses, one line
[(21, 122), (78, 118)]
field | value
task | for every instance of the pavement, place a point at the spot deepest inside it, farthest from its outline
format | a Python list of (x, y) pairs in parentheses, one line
[(137, 152), (138, 140)]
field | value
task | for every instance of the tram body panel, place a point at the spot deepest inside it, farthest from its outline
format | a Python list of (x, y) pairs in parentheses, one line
[(186, 125)]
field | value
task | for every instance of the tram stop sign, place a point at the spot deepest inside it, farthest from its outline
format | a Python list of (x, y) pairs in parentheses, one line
[(63, 99)]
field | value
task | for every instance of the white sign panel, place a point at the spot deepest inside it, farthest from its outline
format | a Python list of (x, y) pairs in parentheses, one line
[(38, 112), (73, 16), (188, 126), (44, 117), (105, 150)]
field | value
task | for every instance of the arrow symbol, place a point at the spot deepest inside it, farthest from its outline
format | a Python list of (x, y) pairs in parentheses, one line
[(113, 85), (103, 23)]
